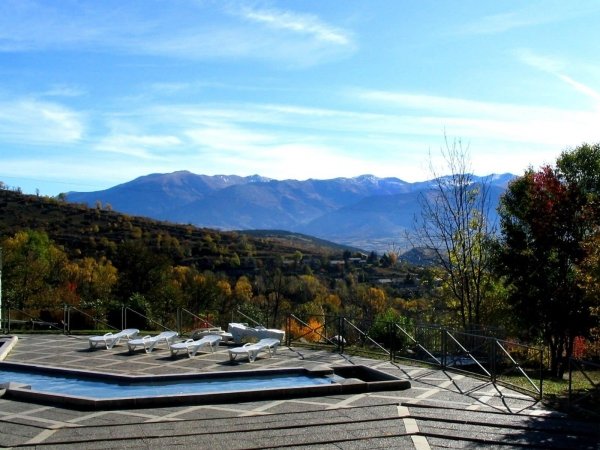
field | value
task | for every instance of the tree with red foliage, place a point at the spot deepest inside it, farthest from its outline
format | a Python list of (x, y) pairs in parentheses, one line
[(545, 221)]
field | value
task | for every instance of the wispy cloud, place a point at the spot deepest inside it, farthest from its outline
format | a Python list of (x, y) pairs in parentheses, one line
[(63, 90), (557, 68), (530, 14), (523, 124), (499, 23), (185, 30), (580, 87), (139, 146), (39, 122), (228, 137), (541, 62), (285, 140), (306, 24), (277, 153)]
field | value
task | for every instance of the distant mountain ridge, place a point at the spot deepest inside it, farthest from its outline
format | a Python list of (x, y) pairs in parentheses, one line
[(365, 211)]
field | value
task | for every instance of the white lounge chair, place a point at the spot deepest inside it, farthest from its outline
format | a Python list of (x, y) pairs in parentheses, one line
[(241, 331), (201, 332), (109, 340), (150, 342), (193, 346), (251, 351)]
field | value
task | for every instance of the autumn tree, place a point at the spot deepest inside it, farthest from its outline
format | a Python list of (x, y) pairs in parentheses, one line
[(33, 269), (94, 279), (582, 168), (242, 291), (167, 294), (91, 283), (274, 285), (546, 218), (453, 224), (140, 269), (588, 275)]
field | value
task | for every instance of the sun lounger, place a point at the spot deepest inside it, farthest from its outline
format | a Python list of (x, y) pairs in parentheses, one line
[(201, 332), (240, 331), (150, 342), (109, 340), (192, 346), (251, 351)]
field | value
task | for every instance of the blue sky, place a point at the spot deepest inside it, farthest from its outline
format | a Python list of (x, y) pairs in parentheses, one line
[(97, 93)]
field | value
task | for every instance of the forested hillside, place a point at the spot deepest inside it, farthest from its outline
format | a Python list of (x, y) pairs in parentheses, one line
[(57, 253), (97, 231)]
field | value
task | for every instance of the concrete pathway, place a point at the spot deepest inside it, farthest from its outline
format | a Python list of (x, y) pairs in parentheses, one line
[(441, 410)]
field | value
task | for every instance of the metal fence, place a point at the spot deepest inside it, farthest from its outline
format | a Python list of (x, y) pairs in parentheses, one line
[(497, 360), (584, 386), (69, 319)]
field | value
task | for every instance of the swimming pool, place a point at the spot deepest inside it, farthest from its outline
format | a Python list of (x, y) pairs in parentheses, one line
[(96, 388), (88, 389)]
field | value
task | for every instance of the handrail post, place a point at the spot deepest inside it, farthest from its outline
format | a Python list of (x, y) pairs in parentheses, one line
[(65, 309), (541, 373), (493, 362), (444, 344), (570, 382), (392, 339), (340, 340), (343, 323)]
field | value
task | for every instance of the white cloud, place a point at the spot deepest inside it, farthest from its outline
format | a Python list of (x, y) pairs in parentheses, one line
[(38, 122), (63, 90), (260, 131), (530, 14), (541, 62), (139, 146), (498, 23), (555, 67), (228, 137), (306, 24), (580, 87), (186, 30), (493, 121), (57, 170)]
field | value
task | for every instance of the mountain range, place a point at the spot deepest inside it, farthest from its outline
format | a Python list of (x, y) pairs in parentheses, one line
[(365, 212)]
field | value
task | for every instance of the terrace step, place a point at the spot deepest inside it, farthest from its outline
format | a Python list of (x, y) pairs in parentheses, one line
[(444, 426), (372, 426)]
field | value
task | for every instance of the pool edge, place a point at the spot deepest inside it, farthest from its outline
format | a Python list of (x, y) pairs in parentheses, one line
[(385, 382)]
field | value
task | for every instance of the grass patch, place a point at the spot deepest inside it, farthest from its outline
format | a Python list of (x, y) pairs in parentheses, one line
[(584, 401)]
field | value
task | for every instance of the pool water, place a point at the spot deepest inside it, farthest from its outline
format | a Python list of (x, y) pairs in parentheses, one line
[(103, 389)]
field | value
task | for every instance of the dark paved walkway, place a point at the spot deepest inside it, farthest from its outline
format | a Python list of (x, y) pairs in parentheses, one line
[(441, 410)]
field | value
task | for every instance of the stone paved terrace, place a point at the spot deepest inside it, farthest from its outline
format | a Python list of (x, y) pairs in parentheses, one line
[(440, 410)]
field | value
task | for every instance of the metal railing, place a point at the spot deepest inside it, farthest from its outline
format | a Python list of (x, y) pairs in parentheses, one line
[(495, 360), (300, 330), (499, 361), (363, 340), (187, 321), (18, 319), (126, 311), (85, 318), (585, 399), (68, 319), (246, 317)]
